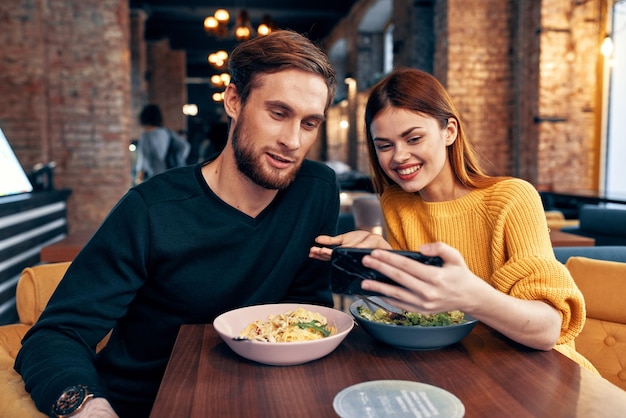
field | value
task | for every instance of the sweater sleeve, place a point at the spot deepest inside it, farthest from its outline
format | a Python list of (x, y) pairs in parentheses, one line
[(503, 235), (530, 270), (59, 350)]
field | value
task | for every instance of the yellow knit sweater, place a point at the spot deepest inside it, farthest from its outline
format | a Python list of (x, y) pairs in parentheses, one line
[(502, 233)]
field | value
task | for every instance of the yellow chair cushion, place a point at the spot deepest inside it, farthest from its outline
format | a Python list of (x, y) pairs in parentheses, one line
[(34, 289), (14, 400), (603, 284), (603, 338), (11, 338)]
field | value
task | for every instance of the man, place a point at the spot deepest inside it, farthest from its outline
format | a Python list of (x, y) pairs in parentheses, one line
[(195, 241), (153, 148)]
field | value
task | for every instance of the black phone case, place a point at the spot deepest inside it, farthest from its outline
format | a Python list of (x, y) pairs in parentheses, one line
[(348, 270)]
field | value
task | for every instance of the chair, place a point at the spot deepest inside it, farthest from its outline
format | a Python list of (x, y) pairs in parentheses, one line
[(33, 291), (603, 338), (556, 220), (604, 252), (607, 225), (34, 288), (368, 214)]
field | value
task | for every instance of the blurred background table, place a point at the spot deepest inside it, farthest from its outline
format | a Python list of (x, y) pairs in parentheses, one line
[(564, 239), (65, 249)]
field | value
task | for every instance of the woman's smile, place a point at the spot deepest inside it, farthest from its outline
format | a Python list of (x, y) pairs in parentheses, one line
[(408, 172)]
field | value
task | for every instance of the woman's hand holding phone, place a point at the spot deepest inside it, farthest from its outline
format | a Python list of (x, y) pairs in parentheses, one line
[(348, 270)]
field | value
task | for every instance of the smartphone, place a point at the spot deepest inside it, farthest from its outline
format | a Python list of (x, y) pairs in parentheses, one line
[(348, 270)]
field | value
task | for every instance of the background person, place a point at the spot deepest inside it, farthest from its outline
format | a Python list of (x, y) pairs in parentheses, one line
[(194, 242), (491, 232), (153, 145)]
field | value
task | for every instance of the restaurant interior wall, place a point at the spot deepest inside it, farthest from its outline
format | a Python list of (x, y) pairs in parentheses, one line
[(65, 96), (568, 108), (337, 132), (524, 75), (477, 70), (166, 75), (72, 91), (138, 69), (522, 72)]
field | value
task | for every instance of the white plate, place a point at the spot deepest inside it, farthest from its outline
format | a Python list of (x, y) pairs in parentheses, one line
[(397, 398)]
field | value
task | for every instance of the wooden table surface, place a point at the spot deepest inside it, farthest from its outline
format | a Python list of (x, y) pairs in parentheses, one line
[(565, 239), (492, 377)]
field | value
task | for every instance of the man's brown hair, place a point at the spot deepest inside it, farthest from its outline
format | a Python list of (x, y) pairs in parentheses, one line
[(279, 51)]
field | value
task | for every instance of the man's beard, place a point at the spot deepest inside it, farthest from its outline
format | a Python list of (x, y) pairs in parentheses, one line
[(250, 163)]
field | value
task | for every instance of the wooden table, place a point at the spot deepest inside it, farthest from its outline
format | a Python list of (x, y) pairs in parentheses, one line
[(492, 377), (65, 249), (565, 239)]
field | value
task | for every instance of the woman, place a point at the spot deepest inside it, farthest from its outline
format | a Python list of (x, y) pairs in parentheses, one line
[(491, 232)]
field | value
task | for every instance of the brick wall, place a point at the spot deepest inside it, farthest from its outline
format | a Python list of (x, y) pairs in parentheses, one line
[(139, 69), (23, 87), (525, 89), (414, 42), (440, 32), (523, 73), (65, 96), (479, 75), (166, 75), (567, 108)]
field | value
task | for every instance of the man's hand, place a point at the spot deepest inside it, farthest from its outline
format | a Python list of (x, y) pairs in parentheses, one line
[(355, 239), (96, 408)]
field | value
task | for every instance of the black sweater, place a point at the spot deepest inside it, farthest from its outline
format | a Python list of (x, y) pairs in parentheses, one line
[(170, 253)]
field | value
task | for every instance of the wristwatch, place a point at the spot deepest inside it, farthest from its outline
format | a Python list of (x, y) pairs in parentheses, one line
[(71, 401)]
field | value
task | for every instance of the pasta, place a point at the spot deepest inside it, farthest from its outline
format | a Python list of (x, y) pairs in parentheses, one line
[(291, 326)]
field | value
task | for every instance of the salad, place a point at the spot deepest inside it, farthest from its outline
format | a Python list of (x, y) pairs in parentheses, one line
[(413, 318)]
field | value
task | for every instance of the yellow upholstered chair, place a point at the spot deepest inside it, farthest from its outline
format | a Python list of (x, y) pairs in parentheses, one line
[(603, 338), (34, 289)]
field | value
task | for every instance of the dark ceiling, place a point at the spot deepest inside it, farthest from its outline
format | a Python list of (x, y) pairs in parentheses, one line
[(182, 22)]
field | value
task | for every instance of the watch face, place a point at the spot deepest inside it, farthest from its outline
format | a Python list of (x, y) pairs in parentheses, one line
[(71, 399)]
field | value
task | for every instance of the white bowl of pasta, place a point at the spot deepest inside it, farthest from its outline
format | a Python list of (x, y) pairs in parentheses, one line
[(283, 334)]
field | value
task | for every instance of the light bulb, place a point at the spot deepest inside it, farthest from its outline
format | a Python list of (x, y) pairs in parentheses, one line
[(210, 23), (222, 15), (607, 46)]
